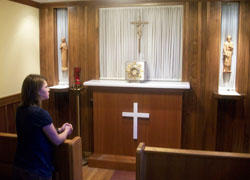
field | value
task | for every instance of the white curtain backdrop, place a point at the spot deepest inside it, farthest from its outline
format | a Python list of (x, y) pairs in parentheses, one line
[(161, 41), (229, 26), (62, 31)]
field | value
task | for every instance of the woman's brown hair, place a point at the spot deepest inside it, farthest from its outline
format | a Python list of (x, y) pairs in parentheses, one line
[(31, 85)]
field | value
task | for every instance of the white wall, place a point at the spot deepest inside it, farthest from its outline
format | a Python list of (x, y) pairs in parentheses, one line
[(19, 45)]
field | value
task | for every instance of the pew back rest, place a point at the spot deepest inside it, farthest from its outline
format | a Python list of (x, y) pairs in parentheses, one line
[(68, 157), (167, 163), (8, 143)]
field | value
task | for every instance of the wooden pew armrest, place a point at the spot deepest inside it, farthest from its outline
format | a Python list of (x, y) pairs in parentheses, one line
[(140, 161)]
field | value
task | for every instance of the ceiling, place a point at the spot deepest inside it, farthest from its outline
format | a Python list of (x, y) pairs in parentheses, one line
[(51, 1)]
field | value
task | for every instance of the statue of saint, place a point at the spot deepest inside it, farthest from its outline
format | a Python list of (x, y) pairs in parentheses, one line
[(227, 55), (64, 54)]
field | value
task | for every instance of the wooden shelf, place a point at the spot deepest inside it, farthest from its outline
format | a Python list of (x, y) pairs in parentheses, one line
[(229, 95), (59, 88)]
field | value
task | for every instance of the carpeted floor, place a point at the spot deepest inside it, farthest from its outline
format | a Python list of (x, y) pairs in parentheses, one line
[(123, 175)]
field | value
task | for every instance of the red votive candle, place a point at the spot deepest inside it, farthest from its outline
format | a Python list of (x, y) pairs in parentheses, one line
[(77, 71)]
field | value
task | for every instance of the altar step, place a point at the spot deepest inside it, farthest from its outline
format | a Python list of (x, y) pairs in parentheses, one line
[(109, 161)]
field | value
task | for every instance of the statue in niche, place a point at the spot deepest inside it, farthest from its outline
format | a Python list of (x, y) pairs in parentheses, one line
[(64, 54), (227, 55)]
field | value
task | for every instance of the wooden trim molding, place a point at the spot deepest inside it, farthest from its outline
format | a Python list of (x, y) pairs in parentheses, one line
[(111, 3), (28, 2), (10, 99)]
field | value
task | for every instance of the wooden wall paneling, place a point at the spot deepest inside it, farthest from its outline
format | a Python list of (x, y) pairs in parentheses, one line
[(200, 77), (8, 106), (15, 108), (62, 108), (78, 58), (55, 62), (86, 109), (76, 53), (212, 72), (243, 48), (58, 107), (247, 100), (185, 42), (121, 3), (192, 55), (185, 111), (72, 110), (202, 69), (76, 39), (16, 98), (91, 67), (49, 105), (87, 121), (11, 118), (231, 126), (92, 41), (84, 62), (48, 56), (3, 119), (97, 65)]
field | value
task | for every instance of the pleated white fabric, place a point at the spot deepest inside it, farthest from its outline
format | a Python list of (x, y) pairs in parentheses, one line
[(229, 26), (161, 41), (62, 31)]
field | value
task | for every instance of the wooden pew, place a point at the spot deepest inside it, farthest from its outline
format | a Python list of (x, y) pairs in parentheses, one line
[(68, 158), (154, 163)]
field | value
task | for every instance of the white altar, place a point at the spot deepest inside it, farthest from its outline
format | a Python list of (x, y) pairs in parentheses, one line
[(145, 84), (125, 114)]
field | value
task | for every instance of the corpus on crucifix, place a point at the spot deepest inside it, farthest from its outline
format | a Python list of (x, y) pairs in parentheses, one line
[(139, 25)]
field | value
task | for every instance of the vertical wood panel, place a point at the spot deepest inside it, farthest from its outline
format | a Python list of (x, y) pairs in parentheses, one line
[(247, 105), (11, 123), (243, 48), (212, 73), (48, 56), (3, 119), (185, 43), (231, 126), (76, 39), (78, 52), (58, 107), (203, 69), (93, 55), (191, 56)]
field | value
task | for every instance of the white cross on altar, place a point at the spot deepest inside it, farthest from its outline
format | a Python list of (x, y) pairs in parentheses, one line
[(135, 116)]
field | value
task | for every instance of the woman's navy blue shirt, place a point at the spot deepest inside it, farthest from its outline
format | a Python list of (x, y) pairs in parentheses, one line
[(34, 150)]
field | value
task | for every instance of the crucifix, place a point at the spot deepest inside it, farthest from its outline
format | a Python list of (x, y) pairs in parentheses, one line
[(139, 25), (135, 116)]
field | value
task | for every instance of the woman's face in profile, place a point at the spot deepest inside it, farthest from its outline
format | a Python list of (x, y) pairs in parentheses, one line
[(44, 91)]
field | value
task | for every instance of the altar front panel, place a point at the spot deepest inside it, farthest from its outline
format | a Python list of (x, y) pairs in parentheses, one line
[(113, 133)]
